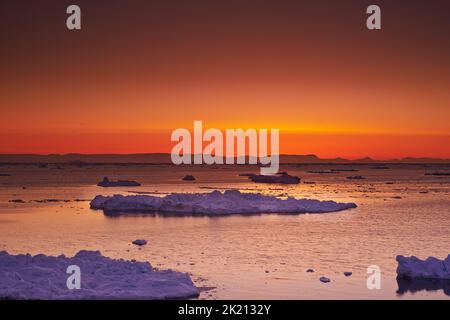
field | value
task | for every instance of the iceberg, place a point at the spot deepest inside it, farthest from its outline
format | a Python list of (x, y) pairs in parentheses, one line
[(45, 277), (214, 203), (430, 268), (438, 174), (325, 279), (355, 178), (280, 178), (105, 183), (140, 242)]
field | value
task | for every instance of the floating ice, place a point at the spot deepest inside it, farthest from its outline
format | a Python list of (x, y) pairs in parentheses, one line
[(431, 268), (44, 277), (214, 203), (139, 242), (119, 183), (280, 178), (438, 174), (355, 178)]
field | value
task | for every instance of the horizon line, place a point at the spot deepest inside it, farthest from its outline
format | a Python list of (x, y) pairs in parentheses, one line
[(365, 158)]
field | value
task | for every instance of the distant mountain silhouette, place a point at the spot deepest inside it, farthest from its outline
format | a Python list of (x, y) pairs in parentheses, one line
[(164, 158)]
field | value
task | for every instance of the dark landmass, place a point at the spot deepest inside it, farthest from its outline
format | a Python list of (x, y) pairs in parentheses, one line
[(164, 158)]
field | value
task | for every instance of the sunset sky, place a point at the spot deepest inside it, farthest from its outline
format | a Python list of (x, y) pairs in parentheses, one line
[(139, 69)]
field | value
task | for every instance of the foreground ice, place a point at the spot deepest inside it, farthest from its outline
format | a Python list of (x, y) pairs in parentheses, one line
[(214, 203), (45, 277), (431, 268)]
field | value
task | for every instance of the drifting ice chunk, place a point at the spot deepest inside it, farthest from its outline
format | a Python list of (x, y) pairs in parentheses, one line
[(355, 178), (119, 183), (282, 178), (438, 174), (214, 203), (431, 268), (324, 279), (45, 277), (139, 242)]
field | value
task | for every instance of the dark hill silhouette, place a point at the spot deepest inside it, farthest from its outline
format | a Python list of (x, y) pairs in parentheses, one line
[(164, 158)]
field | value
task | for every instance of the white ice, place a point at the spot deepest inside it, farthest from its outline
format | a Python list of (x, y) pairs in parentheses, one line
[(214, 203), (44, 277), (431, 268)]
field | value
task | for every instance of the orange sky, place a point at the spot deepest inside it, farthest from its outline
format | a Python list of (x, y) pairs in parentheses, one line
[(311, 69)]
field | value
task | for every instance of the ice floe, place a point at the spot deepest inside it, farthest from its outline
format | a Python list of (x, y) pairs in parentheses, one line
[(119, 183), (430, 268), (280, 178), (355, 178), (139, 242), (214, 203), (438, 174), (45, 277)]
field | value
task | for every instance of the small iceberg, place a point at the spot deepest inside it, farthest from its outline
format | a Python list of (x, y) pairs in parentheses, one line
[(119, 183), (214, 203), (438, 174), (16, 201), (344, 170), (281, 178), (355, 178), (189, 178), (139, 242), (45, 278), (430, 268), (323, 171)]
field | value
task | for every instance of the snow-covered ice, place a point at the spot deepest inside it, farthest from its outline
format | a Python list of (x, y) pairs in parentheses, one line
[(214, 203), (44, 277), (430, 268), (280, 178)]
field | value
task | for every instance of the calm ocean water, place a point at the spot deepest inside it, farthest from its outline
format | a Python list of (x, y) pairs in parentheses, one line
[(400, 211)]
